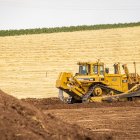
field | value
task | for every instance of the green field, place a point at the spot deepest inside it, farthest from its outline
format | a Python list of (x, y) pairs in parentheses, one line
[(66, 29)]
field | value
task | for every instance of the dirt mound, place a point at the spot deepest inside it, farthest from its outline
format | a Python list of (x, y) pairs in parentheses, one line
[(22, 121)]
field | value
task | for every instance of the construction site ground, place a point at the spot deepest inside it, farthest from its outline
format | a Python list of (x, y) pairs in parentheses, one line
[(120, 120), (42, 119)]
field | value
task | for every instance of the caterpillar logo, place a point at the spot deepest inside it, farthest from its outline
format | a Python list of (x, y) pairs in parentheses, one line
[(114, 79)]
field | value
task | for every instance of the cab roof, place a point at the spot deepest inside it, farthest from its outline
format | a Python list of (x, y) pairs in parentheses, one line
[(90, 63)]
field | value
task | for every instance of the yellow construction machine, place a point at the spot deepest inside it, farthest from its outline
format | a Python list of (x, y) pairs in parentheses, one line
[(94, 83)]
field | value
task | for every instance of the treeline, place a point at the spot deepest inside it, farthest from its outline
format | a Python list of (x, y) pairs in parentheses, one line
[(65, 29)]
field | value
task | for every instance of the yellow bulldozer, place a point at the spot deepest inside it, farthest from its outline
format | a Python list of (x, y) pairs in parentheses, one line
[(94, 83)]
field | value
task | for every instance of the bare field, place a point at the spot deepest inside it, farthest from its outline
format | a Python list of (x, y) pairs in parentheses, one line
[(30, 64)]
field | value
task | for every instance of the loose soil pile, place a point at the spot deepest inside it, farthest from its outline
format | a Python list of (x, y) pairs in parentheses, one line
[(22, 121)]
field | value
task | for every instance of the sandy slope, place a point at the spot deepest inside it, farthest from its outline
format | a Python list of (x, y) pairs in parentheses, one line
[(29, 65)]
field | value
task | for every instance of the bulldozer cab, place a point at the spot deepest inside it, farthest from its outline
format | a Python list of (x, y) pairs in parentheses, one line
[(87, 68)]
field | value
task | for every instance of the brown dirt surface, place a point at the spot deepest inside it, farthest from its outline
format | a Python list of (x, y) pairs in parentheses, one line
[(22, 121), (43, 103), (121, 123), (56, 103), (120, 120)]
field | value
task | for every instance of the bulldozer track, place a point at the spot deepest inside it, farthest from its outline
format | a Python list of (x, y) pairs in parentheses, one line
[(91, 89)]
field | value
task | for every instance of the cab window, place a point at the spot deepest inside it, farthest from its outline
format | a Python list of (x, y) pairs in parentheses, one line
[(83, 70), (101, 70), (95, 69)]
